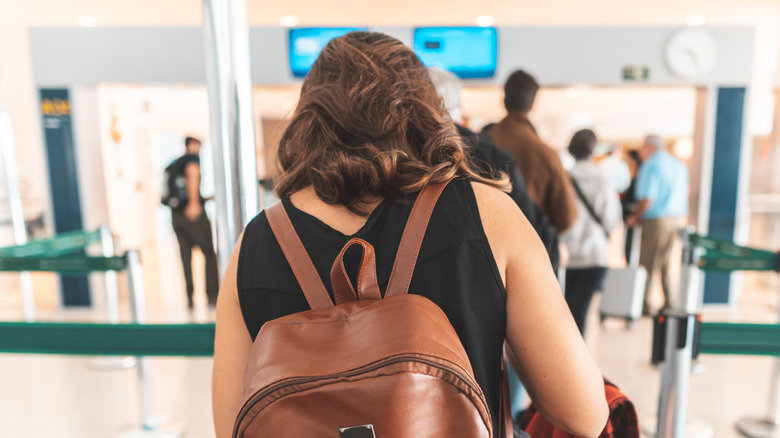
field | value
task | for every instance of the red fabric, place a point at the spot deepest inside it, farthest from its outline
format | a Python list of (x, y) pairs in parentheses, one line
[(622, 421)]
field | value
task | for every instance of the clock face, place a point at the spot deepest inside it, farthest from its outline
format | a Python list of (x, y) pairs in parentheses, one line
[(691, 53)]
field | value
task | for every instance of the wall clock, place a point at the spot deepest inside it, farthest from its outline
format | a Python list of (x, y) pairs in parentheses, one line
[(691, 53)]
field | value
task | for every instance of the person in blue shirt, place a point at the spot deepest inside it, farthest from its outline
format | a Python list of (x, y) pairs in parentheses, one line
[(662, 209)]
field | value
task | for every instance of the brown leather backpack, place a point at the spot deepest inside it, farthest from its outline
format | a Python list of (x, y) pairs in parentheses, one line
[(367, 366)]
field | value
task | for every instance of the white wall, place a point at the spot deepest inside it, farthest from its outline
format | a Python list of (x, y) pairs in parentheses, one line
[(19, 96), (556, 55)]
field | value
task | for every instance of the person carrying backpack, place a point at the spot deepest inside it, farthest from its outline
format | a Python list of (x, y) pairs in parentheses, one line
[(376, 298), (181, 192)]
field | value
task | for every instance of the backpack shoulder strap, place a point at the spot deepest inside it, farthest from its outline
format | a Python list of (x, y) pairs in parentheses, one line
[(412, 238), (297, 257)]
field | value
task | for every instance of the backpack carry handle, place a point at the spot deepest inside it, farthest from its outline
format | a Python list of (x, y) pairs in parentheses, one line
[(367, 284), (309, 279)]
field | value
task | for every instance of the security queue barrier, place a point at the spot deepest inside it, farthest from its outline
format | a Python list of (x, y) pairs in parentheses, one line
[(679, 334), (112, 338), (107, 339), (64, 253)]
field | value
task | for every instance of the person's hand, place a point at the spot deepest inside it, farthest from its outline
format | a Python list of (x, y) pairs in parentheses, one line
[(193, 211), (563, 255), (631, 220)]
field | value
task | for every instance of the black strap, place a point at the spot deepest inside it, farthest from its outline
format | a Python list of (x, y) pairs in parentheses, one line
[(588, 206)]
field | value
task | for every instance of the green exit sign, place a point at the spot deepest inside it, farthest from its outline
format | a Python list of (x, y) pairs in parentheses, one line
[(636, 73)]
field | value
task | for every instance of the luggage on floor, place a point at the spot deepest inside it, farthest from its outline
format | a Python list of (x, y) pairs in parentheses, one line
[(624, 288)]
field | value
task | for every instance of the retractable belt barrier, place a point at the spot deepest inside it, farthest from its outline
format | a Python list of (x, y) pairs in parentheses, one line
[(679, 335), (63, 254), (64, 243), (63, 265), (107, 339)]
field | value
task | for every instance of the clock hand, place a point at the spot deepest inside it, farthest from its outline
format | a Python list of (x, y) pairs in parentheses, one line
[(692, 54)]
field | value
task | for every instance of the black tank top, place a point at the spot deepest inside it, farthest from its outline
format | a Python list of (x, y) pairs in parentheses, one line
[(455, 269)]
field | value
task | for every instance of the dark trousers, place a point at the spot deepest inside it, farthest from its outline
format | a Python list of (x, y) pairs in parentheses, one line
[(581, 284), (191, 234)]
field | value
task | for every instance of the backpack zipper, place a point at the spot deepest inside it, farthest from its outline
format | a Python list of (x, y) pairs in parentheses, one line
[(356, 371)]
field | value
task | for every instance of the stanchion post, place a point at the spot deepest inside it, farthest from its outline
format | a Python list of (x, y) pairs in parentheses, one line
[(112, 304), (676, 368), (774, 396), (138, 309), (110, 278), (150, 425), (17, 213), (769, 426)]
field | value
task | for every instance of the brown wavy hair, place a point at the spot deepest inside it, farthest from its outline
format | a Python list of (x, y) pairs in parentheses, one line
[(370, 125)]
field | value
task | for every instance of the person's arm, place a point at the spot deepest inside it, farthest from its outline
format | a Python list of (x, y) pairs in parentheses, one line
[(194, 208), (555, 366), (231, 351), (641, 207), (613, 212), (559, 197)]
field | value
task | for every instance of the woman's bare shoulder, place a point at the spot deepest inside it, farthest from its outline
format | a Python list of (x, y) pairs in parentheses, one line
[(496, 208)]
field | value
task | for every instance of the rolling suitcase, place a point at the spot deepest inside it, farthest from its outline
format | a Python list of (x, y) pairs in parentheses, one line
[(624, 288)]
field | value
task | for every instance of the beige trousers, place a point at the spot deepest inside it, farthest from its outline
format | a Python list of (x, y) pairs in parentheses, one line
[(656, 253)]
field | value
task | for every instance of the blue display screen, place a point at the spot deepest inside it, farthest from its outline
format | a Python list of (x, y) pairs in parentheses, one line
[(469, 52), (306, 44)]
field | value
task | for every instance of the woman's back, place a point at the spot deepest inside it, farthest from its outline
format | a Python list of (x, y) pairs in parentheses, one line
[(455, 269), (369, 126)]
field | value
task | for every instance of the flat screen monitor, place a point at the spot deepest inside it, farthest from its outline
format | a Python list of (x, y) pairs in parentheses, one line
[(469, 52), (306, 44)]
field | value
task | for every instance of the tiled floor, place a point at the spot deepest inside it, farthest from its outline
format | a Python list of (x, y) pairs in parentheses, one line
[(58, 396)]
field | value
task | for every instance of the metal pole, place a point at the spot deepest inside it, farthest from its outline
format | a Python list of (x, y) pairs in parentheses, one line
[(226, 33), (112, 286), (17, 213), (769, 426), (676, 369), (138, 309), (150, 426), (112, 305), (774, 397)]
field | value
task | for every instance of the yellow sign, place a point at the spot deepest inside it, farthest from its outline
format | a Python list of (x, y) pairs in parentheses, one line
[(55, 107)]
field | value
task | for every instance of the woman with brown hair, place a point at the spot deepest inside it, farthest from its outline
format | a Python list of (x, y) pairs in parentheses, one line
[(368, 134)]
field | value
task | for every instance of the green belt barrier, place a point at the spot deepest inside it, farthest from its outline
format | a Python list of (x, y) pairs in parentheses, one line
[(64, 243), (725, 256), (748, 339), (65, 265), (729, 248), (725, 263), (198, 339), (107, 339)]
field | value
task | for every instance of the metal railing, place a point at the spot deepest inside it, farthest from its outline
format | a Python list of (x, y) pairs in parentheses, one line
[(681, 335)]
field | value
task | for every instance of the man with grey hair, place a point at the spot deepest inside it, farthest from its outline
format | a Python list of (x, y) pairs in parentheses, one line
[(490, 160), (662, 209)]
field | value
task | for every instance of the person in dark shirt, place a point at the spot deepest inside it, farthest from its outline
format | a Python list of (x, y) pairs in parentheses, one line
[(192, 226), (628, 199), (490, 161)]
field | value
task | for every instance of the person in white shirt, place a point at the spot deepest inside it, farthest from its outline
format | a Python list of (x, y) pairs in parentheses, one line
[(598, 213)]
